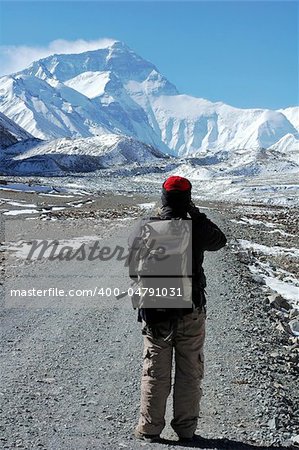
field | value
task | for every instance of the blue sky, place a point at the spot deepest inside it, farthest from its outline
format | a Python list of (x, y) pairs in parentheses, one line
[(242, 53)]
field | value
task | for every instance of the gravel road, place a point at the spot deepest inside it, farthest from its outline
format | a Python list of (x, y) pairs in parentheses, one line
[(70, 367)]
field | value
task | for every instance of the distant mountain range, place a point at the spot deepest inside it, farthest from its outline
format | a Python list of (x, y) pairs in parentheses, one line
[(22, 154), (113, 91)]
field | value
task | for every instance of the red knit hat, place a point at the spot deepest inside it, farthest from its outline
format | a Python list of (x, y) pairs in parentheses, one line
[(176, 183)]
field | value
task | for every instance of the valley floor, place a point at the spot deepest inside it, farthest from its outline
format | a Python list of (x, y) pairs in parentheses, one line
[(70, 365)]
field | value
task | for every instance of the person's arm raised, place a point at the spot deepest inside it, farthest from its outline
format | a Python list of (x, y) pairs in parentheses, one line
[(211, 237)]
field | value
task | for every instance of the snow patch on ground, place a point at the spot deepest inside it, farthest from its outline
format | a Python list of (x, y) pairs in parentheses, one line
[(278, 280), (287, 285), (246, 220), (25, 187), (273, 251), (45, 194), (22, 205), (286, 290), (147, 206), (16, 212)]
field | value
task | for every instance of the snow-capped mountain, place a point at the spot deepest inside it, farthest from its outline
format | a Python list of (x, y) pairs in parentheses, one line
[(199, 126), (11, 133), (292, 114), (67, 155), (113, 90), (80, 95)]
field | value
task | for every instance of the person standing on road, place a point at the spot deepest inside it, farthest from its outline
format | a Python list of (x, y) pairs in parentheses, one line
[(176, 331)]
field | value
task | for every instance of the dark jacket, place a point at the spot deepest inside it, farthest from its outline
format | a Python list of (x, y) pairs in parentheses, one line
[(206, 236)]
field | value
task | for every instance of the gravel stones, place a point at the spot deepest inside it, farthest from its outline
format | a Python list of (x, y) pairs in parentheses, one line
[(70, 376)]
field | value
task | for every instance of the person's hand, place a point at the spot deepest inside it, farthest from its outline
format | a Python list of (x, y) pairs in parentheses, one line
[(193, 209)]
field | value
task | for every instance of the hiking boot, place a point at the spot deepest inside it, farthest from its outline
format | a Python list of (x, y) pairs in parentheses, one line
[(147, 437)]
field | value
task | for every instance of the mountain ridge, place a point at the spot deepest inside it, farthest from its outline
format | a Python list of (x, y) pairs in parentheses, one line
[(11, 133), (114, 90)]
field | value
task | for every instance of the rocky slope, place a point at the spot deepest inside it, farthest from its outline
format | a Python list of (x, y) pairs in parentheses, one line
[(11, 133), (80, 155)]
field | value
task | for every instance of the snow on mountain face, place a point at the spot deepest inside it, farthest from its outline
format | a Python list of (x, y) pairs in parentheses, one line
[(117, 58), (193, 126), (113, 90), (273, 126), (90, 84), (81, 95), (11, 133), (288, 145), (81, 155), (49, 110), (292, 114)]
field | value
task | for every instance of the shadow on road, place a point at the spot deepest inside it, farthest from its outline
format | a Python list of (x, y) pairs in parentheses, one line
[(224, 444)]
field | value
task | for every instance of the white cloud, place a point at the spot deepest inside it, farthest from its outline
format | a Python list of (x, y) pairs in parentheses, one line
[(14, 58)]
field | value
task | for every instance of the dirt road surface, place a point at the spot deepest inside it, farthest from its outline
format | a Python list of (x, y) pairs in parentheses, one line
[(70, 366)]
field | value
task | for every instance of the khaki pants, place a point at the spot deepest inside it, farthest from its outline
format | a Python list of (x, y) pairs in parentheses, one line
[(187, 344)]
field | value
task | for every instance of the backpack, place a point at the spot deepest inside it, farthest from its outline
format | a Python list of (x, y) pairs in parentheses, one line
[(163, 265)]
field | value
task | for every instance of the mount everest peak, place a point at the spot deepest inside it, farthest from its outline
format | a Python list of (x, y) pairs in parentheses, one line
[(113, 90)]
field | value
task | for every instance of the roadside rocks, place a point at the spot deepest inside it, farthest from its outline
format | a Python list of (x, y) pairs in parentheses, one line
[(277, 301), (295, 440), (278, 325), (121, 212), (294, 326)]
